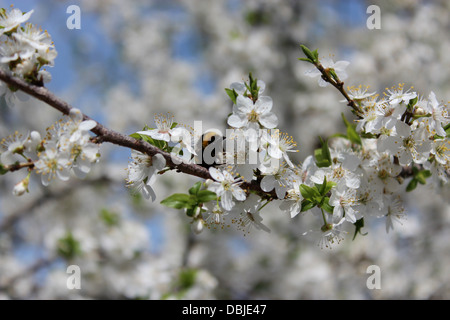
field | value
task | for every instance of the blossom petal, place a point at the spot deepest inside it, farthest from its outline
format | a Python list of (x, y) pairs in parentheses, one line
[(267, 183), (226, 201), (238, 193), (236, 122), (216, 174), (268, 120)]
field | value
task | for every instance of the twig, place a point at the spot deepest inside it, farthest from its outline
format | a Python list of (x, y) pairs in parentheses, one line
[(105, 134)]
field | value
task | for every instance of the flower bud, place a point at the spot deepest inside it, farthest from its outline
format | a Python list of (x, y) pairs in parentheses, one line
[(197, 226), (420, 111), (21, 187)]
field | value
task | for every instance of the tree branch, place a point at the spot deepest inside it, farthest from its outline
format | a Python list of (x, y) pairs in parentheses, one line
[(105, 134)]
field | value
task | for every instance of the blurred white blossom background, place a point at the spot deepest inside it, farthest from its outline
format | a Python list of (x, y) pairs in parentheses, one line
[(131, 60)]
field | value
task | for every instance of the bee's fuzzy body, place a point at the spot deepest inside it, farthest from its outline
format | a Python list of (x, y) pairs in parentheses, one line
[(210, 142)]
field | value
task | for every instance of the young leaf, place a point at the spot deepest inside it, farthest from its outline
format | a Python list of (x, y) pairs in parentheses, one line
[(326, 206), (232, 94), (411, 185), (306, 59), (178, 201), (359, 224), (352, 135), (412, 103), (313, 56), (2, 170), (422, 176), (306, 205), (196, 188), (205, 196), (322, 155), (308, 192)]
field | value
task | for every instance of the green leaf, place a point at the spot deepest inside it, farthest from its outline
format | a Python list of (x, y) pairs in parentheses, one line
[(333, 74), (412, 103), (368, 135), (422, 176), (136, 136), (196, 188), (306, 205), (313, 56), (306, 59), (205, 196), (326, 206), (2, 169), (447, 130), (359, 224), (322, 155), (109, 218), (68, 246), (352, 135), (232, 94), (411, 185), (308, 192), (191, 211), (178, 201), (316, 55), (323, 186), (338, 135)]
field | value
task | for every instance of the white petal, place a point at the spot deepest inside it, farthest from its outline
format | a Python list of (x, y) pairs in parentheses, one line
[(264, 104), (226, 201), (312, 73), (403, 129), (267, 183), (63, 174), (158, 161), (87, 125), (341, 65), (239, 87), (75, 115), (148, 192), (350, 215), (216, 174), (268, 120), (243, 104), (280, 191), (322, 83), (236, 122), (238, 193)]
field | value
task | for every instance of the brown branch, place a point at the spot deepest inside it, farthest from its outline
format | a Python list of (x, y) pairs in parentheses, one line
[(18, 166), (105, 134), (339, 85), (11, 219), (38, 265)]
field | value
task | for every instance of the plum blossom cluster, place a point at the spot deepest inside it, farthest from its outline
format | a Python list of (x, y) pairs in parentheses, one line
[(253, 150), (25, 50), (398, 141), (67, 147)]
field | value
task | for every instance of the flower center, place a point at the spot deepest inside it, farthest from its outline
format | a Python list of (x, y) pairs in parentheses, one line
[(253, 116)]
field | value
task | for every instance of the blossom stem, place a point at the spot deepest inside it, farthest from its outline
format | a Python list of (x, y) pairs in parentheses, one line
[(323, 216), (18, 166), (339, 85)]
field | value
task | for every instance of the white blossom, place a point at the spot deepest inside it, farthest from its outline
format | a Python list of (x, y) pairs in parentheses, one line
[(249, 115), (226, 187), (328, 63), (12, 19), (142, 172)]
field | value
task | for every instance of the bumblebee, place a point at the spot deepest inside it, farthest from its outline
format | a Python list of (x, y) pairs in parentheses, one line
[(210, 149)]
